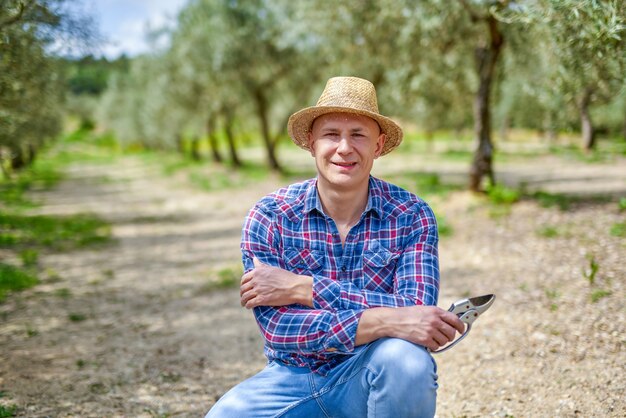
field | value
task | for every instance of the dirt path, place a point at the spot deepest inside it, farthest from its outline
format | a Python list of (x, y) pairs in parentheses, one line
[(156, 341)]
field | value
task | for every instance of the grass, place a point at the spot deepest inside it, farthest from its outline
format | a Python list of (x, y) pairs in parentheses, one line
[(598, 294), (548, 232), (27, 235), (7, 411), (502, 195), (227, 278), (13, 279), (591, 273), (552, 295), (444, 227), (562, 201), (54, 232), (43, 174), (618, 230), (425, 185), (77, 317)]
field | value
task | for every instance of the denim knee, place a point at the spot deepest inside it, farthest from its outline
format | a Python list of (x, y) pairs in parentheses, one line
[(408, 363)]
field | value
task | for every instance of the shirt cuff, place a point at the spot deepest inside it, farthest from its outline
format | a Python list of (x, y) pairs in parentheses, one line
[(342, 337), (326, 294)]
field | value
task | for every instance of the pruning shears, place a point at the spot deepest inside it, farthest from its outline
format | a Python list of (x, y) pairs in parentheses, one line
[(468, 310)]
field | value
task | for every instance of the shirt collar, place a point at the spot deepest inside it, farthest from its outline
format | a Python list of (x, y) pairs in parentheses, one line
[(374, 198)]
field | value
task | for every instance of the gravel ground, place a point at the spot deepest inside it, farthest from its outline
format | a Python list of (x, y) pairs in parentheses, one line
[(159, 340)]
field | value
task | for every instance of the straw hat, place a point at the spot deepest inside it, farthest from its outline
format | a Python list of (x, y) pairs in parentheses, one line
[(344, 95)]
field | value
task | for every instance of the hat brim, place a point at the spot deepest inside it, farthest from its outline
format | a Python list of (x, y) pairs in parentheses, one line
[(300, 123)]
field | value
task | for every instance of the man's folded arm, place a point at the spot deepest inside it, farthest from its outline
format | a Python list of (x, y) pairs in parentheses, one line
[(416, 280)]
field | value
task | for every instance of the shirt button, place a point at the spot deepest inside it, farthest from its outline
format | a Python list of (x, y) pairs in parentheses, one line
[(343, 268)]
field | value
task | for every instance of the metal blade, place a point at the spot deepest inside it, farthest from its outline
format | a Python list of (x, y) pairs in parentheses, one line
[(482, 303)]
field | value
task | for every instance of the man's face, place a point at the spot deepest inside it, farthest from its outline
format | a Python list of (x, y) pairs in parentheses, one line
[(345, 146)]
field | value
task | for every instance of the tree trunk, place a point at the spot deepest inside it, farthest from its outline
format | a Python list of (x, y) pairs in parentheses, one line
[(31, 154), (549, 133), (17, 158), (486, 60), (262, 114), (232, 148), (195, 149), (210, 129), (586, 125)]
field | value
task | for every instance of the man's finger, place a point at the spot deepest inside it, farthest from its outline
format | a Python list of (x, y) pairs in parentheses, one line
[(245, 287), (256, 262), (246, 277), (454, 320), (252, 303), (440, 338), (246, 297), (448, 331)]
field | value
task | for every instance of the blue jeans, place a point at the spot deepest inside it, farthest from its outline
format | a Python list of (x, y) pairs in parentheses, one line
[(388, 378)]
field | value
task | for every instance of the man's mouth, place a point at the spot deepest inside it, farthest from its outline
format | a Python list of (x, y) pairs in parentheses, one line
[(346, 165)]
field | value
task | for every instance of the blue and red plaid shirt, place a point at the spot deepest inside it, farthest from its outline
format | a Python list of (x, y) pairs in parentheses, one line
[(389, 259)]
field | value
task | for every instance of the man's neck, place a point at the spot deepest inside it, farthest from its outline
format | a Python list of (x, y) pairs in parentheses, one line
[(344, 206)]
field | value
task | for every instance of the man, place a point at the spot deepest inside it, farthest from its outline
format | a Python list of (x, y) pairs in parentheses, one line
[(340, 272)]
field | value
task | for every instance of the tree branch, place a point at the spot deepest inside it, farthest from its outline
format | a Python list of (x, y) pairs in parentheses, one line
[(475, 17), (11, 20)]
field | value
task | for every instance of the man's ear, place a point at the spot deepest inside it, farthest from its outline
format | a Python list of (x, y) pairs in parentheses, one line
[(380, 145)]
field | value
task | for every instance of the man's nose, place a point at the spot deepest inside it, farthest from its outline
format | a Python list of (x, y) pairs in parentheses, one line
[(344, 146)]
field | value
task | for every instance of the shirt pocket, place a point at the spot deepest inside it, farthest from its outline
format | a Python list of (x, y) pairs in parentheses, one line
[(379, 266), (304, 260)]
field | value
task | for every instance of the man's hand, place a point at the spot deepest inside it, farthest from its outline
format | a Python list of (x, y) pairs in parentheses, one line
[(429, 326), (272, 286)]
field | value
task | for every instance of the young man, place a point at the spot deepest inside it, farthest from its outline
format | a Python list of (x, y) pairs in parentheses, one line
[(342, 273)]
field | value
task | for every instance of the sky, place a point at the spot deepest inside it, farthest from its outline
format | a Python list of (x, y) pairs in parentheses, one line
[(123, 23)]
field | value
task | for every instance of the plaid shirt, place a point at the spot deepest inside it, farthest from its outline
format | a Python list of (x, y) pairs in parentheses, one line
[(389, 259)]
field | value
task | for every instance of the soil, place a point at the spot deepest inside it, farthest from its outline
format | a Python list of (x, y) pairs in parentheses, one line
[(135, 328)]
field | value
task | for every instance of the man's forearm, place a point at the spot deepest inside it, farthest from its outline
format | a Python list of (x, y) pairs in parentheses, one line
[(428, 326), (303, 292), (374, 324)]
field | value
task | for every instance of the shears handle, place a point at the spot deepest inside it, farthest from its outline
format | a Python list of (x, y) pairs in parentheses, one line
[(468, 319)]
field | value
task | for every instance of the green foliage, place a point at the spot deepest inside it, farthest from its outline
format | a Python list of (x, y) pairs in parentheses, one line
[(621, 205), (55, 232), (14, 279), (7, 411), (31, 89), (598, 294), (425, 185), (221, 179), (44, 174), (30, 257), (591, 273), (548, 232), (444, 227), (226, 278), (502, 195), (77, 317), (565, 201), (619, 229), (90, 75)]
